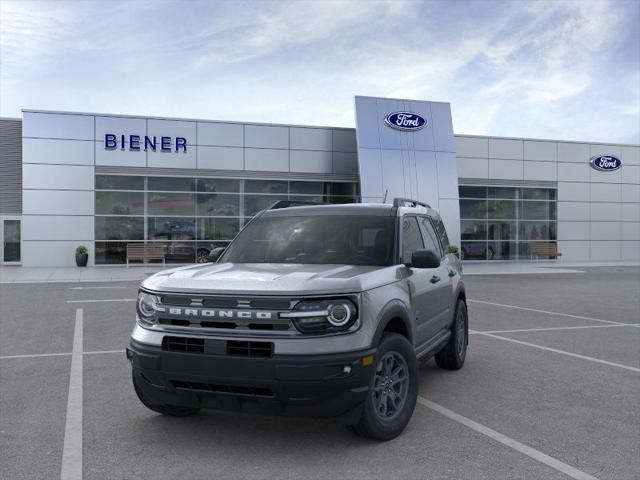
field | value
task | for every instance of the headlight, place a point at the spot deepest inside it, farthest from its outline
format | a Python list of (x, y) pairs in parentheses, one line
[(147, 306), (323, 316)]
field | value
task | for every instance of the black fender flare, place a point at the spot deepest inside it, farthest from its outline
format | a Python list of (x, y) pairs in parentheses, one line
[(394, 309)]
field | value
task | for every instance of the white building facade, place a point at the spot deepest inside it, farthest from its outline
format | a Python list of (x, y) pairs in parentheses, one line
[(106, 181)]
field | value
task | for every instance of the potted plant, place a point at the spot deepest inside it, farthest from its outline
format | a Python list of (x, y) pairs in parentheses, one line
[(82, 256), (453, 249)]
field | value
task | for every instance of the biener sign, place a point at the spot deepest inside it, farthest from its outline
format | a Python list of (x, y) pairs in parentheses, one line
[(139, 142)]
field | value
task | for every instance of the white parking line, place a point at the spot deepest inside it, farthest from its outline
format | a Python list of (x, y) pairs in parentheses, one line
[(101, 352), (549, 329), (96, 288), (35, 355), (560, 314), (72, 449), (509, 442), (103, 300), (562, 352), (63, 354)]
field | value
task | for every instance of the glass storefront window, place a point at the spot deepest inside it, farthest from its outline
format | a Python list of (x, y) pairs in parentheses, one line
[(190, 216), (501, 223), (501, 230), (119, 203), (168, 228), (501, 192), (532, 210), (177, 184), (218, 228), (472, 192), (307, 188), (119, 228), (501, 209), (119, 182), (171, 204), (254, 203), (107, 253), (538, 194), (473, 209), (266, 186), (473, 230), (214, 185), (213, 204)]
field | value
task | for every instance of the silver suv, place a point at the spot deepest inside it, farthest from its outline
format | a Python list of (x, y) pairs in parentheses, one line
[(320, 310)]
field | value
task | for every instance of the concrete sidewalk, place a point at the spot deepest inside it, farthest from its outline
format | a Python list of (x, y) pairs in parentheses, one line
[(530, 268), (11, 274)]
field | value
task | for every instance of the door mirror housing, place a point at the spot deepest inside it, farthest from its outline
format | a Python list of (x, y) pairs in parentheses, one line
[(424, 259), (215, 254)]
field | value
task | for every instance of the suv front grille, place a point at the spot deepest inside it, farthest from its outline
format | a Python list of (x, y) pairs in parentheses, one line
[(217, 347), (229, 389), (183, 344), (258, 314), (250, 349)]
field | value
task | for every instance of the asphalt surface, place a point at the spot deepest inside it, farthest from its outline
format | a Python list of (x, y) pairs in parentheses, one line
[(571, 394)]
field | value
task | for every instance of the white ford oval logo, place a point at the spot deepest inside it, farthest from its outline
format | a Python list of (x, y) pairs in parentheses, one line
[(405, 121)]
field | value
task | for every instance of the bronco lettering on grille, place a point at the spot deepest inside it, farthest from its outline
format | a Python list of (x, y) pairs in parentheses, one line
[(213, 313)]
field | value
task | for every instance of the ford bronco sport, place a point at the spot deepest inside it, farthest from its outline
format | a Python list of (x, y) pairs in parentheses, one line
[(312, 310)]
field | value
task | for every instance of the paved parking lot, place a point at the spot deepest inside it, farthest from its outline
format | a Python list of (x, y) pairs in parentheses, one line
[(550, 389)]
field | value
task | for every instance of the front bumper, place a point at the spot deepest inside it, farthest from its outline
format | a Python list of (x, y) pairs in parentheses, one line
[(298, 385)]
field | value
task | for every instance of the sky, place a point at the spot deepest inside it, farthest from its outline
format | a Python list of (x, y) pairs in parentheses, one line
[(540, 69)]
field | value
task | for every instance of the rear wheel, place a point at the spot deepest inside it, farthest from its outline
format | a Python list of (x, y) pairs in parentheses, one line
[(202, 256), (393, 390), (452, 356), (165, 409)]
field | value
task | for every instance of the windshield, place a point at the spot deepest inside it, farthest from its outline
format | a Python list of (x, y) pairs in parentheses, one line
[(348, 239)]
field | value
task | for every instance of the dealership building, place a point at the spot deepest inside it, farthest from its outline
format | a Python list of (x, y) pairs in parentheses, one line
[(111, 182)]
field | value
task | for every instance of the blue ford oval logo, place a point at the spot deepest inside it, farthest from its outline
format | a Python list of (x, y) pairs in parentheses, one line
[(605, 163), (405, 121)]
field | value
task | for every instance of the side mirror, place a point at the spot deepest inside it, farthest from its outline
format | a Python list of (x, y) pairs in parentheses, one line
[(214, 255), (424, 259)]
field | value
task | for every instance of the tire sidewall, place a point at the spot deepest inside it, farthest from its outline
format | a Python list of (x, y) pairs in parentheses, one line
[(461, 316)]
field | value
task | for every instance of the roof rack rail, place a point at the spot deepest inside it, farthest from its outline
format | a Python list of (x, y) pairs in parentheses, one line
[(293, 203), (401, 202)]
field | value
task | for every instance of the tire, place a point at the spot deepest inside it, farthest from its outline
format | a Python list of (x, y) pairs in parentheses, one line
[(385, 415), (202, 256), (165, 409), (452, 356)]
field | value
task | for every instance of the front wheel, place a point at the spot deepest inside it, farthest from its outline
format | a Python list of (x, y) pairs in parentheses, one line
[(393, 390), (452, 356)]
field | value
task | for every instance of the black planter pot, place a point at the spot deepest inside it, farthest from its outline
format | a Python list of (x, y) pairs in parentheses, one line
[(82, 259)]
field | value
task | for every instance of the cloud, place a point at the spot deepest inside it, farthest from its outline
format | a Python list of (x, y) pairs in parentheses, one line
[(508, 68)]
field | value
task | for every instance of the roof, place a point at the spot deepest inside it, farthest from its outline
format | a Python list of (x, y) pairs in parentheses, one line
[(373, 209)]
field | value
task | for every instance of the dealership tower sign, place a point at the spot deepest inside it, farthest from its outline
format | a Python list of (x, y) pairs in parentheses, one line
[(405, 121)]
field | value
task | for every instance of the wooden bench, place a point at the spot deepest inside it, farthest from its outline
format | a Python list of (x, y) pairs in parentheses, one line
[(545, 249), (140, 251)]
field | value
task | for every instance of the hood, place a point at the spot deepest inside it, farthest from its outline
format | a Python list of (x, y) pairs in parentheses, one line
[(271, 279)]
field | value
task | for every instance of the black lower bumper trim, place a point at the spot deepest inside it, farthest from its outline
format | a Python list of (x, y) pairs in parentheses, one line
[(299, 385)]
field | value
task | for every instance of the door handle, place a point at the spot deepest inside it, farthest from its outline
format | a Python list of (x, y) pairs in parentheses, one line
[(435, 279)]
